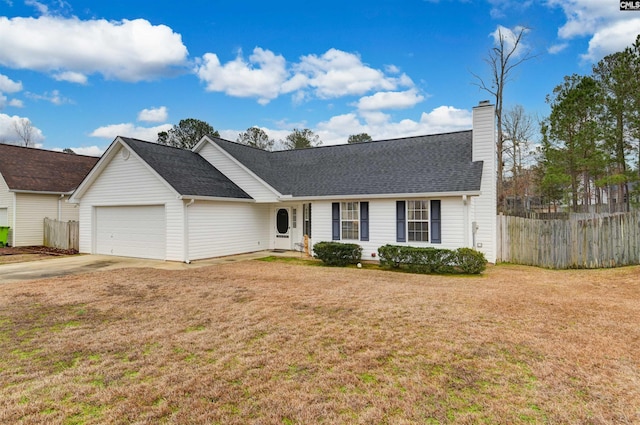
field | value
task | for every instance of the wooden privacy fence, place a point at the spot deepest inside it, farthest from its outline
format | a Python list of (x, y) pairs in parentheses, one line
[(61, 234), (588, 242)]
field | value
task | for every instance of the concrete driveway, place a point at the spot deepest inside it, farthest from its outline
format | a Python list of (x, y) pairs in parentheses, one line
[(54, 267)]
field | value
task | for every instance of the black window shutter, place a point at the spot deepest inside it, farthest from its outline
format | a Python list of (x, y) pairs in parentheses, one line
[(364, 221), (401, 222), (309, 229), (436, 222), (335, 221)]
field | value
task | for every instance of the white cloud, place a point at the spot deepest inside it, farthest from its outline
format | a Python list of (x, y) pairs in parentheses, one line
[(71, 77), (613, 38), (110, 132), (54, 97), (154, 114), (609, 29), (263, 76), (337, 73), (8, 133), (390, 100), (584, 17), (557, 48), (500, 7), (381, 126), (7, 85), (266, 76), (16, 103), (510, 36), (129, 50), (446, 118)]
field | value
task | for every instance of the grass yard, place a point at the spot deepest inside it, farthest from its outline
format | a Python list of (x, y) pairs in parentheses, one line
[(278, 343)]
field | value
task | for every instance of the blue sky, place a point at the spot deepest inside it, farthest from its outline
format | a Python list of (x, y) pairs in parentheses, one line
[(83, 72)]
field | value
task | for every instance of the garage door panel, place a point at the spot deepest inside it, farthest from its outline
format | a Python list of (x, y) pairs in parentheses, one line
[(131, 231)]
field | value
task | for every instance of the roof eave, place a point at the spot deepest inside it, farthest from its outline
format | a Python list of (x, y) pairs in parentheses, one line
[(40, 192), (215, 198), (383, 196)]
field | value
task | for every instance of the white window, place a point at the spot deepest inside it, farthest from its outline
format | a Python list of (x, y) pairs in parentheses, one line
[(418, 221), (350, 220)]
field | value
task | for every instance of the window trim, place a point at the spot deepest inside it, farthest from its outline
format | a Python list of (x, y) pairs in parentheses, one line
[(352, 210), (423, 222)]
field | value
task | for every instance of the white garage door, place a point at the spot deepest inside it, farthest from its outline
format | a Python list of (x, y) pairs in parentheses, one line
[(131, 231)]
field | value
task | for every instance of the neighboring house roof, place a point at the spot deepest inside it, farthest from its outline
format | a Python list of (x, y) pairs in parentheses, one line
[(421, 164), (38, 170), (187, 172)]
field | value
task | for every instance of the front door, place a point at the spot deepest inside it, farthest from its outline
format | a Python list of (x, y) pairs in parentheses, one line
[(283, 229)]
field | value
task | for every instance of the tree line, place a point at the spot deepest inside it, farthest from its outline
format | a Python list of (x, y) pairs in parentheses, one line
[(188, 132), (590, 149)]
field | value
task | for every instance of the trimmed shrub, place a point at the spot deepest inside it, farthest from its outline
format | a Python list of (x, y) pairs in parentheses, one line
[(337, 254), (392, 256), (432, 260), (470, 261)]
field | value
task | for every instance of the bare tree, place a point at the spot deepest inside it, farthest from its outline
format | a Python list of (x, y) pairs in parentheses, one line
[(24, 130), (517, 130), (507, 54)]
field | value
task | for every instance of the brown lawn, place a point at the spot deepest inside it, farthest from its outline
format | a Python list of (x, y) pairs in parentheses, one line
[(276, 343)]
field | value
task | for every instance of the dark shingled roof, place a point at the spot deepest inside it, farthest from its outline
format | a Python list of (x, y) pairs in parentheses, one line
[(421, 164), (39, 170), (187, 172)]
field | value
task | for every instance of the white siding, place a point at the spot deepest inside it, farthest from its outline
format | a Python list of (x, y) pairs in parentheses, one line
[(67, 211), (484, 149), (247, 182), (382, 225), (130, 182), (226, 228), (31, 209)]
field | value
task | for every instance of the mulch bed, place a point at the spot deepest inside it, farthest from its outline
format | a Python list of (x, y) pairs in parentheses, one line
[(42, 250)]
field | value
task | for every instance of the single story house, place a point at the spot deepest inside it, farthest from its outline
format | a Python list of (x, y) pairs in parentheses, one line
[(34, 184), (221, 198)]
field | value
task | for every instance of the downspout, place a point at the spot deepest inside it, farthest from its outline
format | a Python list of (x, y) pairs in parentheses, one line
[(186, 230), (13, 220), (466, 217)]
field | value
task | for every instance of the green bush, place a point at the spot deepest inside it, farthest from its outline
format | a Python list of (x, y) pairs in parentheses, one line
[(337, 254), (432, 260), (470, 261)]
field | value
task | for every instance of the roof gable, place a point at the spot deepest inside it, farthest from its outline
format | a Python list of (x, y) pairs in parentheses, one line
[(421, 164), (39, 170), (186, 172)]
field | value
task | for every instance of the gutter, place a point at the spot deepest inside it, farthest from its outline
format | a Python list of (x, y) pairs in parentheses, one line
[(382, 196), (40, 192), (214, 198)]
